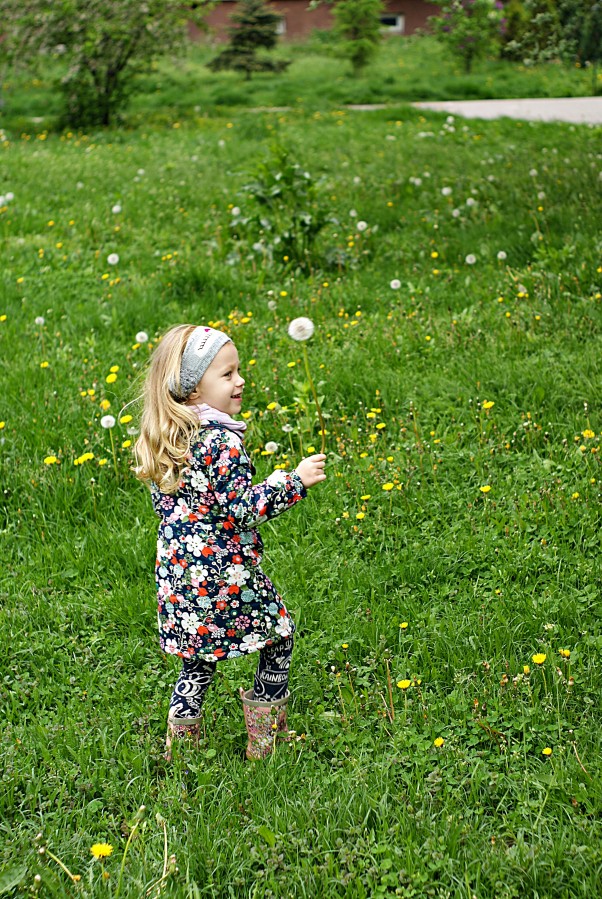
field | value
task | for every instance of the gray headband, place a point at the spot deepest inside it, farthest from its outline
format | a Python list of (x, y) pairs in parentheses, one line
[(202, 347)]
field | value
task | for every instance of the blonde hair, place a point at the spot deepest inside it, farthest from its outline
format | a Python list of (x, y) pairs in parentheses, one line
[(168, 425)]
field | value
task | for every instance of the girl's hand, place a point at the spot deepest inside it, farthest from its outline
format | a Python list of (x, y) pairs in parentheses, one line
[(311, 470)]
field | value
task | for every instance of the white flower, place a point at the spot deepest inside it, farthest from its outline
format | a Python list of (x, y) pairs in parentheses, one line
[(40, 320), (271, 446), (116, 209), (446, 191), (471, 201), (533, 173), (357, 180), (353, 213), (107, 421), (141, 172), (450, 120), (9, 196), (112, 258), (395, 284), (287, 428), (221, 143), (502, 255), (471, 259), (456, 213), (301, 328), (541, 195), (80, 185), (361, 226), (235, 210), (141, 337), (272, 305)]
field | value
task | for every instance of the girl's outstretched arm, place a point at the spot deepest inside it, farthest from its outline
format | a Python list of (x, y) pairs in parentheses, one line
[(230, 481)]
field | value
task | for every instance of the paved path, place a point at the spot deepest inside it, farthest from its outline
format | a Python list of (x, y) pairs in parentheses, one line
[(578, 110)]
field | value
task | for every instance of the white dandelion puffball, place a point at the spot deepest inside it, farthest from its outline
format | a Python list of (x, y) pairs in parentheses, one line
[(502, 255), (533, 173), (40, 320), (471, 201), (141, 172), (361, 226), (112, 258), (301, 328), (116, 209), (471, 259), (287, 428), (446, 191), (456, 213), (395, 284), (9, 196), (271, 446), (353, 213), (107, 421), (80, 185), (236, 210), (141, 337)]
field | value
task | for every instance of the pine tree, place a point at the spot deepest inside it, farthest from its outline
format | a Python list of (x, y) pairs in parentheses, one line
[(253, 28), (357, 30)]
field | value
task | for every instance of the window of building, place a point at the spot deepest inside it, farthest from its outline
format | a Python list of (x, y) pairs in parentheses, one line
[(281, 26), (393, 24)]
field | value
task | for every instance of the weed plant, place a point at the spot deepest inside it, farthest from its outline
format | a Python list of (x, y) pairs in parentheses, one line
[(444, 580)]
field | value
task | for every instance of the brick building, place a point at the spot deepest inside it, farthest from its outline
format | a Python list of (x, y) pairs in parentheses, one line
[(298, 21)]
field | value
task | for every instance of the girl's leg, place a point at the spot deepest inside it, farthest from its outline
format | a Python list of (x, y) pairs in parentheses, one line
[(189, 691), (271, 677)]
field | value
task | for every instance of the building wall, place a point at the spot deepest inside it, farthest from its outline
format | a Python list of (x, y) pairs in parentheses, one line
[(301, 21)]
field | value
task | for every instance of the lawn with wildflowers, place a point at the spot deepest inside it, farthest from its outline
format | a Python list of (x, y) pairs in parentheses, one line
[(444, 580)]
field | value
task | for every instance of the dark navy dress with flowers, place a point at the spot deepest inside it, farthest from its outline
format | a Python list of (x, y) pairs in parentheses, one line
[(213, 598)]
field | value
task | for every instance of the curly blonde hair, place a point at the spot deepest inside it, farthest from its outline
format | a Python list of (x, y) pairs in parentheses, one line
[(168, 426)]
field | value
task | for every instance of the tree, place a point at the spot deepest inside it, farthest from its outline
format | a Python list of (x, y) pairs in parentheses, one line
[(357, 30), (103, 43), (470, 29), (590, 49), (254, 27)]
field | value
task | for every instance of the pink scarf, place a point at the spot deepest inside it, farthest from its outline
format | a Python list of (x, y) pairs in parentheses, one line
[(207, 415)]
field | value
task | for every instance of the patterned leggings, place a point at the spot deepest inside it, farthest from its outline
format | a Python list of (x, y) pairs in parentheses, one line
[(271, 679)]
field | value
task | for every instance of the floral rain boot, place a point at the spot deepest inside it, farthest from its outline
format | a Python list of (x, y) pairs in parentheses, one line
[(188, 729), (265, 722)]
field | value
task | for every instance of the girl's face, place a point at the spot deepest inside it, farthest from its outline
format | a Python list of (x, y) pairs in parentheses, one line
[(222, 384)]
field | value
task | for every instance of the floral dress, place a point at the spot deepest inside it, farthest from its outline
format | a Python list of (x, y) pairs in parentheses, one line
[(213, 598)]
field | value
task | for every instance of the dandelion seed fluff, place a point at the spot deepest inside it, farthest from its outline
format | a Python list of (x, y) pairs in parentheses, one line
[(116, 209), (395, 284), (533, 173), (471, 201), (301, 328), (271, 446), (112, 259), (141, 337), (446, 191), (107, 421), (235, 210), (471, 259), (40, 320), (361, 226), (502, 255), (456, 213), (9, 197)]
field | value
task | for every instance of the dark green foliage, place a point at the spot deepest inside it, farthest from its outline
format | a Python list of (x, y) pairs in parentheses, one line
[(357, 30), (253, 29)]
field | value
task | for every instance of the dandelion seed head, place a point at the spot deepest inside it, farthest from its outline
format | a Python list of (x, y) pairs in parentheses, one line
[(301, 328), (107, 421), (112, 258)]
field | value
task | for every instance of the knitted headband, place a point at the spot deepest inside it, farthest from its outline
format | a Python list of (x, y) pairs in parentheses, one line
[(201, 349)]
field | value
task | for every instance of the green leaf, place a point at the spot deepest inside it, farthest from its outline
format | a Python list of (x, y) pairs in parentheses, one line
[(267, 835), (11, 878)]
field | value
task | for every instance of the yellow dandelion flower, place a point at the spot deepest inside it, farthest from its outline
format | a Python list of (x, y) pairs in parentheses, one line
[(485, 488), (125, 419), (546, 751), (2, 425), (50, 460), (488, 404), (360, 515), (388, 486), (565, 653), (102, 461), (539, 658), (101, 850), (104, 405), (271, 406), (403, 625), (404, 684), (345, 645), (110, 379), (588, 434), (365, 496), (438, 741), (380, 426), (526, 669), (126, 443), (44, 364), (575, 495)]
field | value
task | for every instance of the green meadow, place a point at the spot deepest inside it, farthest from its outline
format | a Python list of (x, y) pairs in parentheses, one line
[(445, 578)]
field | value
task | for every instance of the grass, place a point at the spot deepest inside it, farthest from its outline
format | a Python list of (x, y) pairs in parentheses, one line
[(406, 70), (363, 803)]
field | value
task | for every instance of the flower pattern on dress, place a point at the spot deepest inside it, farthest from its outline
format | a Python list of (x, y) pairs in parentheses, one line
[(213, 598)]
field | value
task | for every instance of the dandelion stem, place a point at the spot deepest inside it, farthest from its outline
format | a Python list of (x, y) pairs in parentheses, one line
[(390, 689), (315, 396), (74, 877), (114, 454)]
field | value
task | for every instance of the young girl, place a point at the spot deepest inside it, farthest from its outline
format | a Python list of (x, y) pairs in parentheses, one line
[(214, 601)]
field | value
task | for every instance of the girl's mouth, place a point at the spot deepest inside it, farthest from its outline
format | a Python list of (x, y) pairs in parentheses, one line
[(237, 396)]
